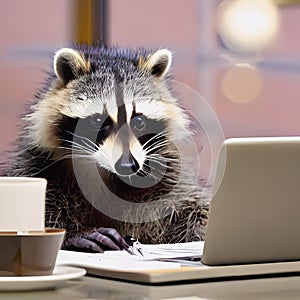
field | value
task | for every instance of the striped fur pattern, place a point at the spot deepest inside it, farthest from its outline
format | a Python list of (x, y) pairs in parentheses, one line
[(105, 125)]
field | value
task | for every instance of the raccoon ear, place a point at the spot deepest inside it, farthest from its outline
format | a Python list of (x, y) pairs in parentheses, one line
[(69, 64), (158, 63)]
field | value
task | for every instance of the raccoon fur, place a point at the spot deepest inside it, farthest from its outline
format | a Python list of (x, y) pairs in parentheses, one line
[(112, 141)]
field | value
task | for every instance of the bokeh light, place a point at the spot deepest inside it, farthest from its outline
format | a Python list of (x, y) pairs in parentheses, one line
[(242, 83), (247, 26)]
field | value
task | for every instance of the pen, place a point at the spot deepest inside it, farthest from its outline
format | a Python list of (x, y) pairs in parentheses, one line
[(134, 245)]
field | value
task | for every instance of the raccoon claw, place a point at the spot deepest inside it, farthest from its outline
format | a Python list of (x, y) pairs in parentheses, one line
[(98, 240)]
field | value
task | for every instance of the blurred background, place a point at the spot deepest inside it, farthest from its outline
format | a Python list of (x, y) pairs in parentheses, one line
[(242, 56)]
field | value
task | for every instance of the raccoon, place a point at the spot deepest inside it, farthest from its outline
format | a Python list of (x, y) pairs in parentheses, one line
[(110, 137)]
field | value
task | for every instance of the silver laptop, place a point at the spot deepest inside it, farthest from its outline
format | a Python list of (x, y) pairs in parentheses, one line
[(254, 221), (255, 211)]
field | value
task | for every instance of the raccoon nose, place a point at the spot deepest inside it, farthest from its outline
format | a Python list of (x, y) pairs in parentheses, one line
[(127, 164)]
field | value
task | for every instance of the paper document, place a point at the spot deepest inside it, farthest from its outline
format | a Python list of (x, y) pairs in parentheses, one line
[(122, 260), (178, 250), (116, 260)]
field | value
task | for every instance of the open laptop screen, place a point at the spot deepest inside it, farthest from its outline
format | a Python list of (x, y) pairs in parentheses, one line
[(254, 214)]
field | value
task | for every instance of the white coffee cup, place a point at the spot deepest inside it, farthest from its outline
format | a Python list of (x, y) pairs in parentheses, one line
[(22, 204)]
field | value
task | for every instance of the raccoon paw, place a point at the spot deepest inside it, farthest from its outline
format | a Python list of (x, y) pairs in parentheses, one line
[(98, 240)]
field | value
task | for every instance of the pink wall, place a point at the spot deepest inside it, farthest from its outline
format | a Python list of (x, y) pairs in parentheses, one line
[(30, 31)]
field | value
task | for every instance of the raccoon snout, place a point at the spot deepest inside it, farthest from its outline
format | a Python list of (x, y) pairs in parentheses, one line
[(127, 164)]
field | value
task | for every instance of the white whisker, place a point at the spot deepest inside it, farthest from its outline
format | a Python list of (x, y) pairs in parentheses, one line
[(160, 145), (147, 173), (93, 149), (75, 147), (67, 156), (81, 137), (84, 147), (159, 163), (154, 137), (159, 156)]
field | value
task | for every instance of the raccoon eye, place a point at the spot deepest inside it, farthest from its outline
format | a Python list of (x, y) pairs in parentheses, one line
[(95, 122), (138, 123)]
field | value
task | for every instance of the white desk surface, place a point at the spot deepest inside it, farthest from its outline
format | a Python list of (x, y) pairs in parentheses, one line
[(91, 288)]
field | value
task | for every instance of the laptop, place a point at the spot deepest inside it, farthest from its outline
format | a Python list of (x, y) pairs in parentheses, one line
[(255, 209), (254, 222)]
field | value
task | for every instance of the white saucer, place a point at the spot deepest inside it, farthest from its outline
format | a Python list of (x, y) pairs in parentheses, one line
[(26, 283)]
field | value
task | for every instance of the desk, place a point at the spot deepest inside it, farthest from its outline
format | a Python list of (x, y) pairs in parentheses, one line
[(90, 288)]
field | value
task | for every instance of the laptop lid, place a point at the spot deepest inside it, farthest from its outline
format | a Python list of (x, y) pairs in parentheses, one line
[(255, 210)]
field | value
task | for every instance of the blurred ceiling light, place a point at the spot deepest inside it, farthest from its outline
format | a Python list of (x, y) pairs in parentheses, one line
[(247, 26), (242, 83)]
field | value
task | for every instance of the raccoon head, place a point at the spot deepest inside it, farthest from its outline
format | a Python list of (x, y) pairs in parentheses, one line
[(115, 108)]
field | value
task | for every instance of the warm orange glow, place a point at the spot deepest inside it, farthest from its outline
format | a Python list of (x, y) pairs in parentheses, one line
[(242, 83)]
